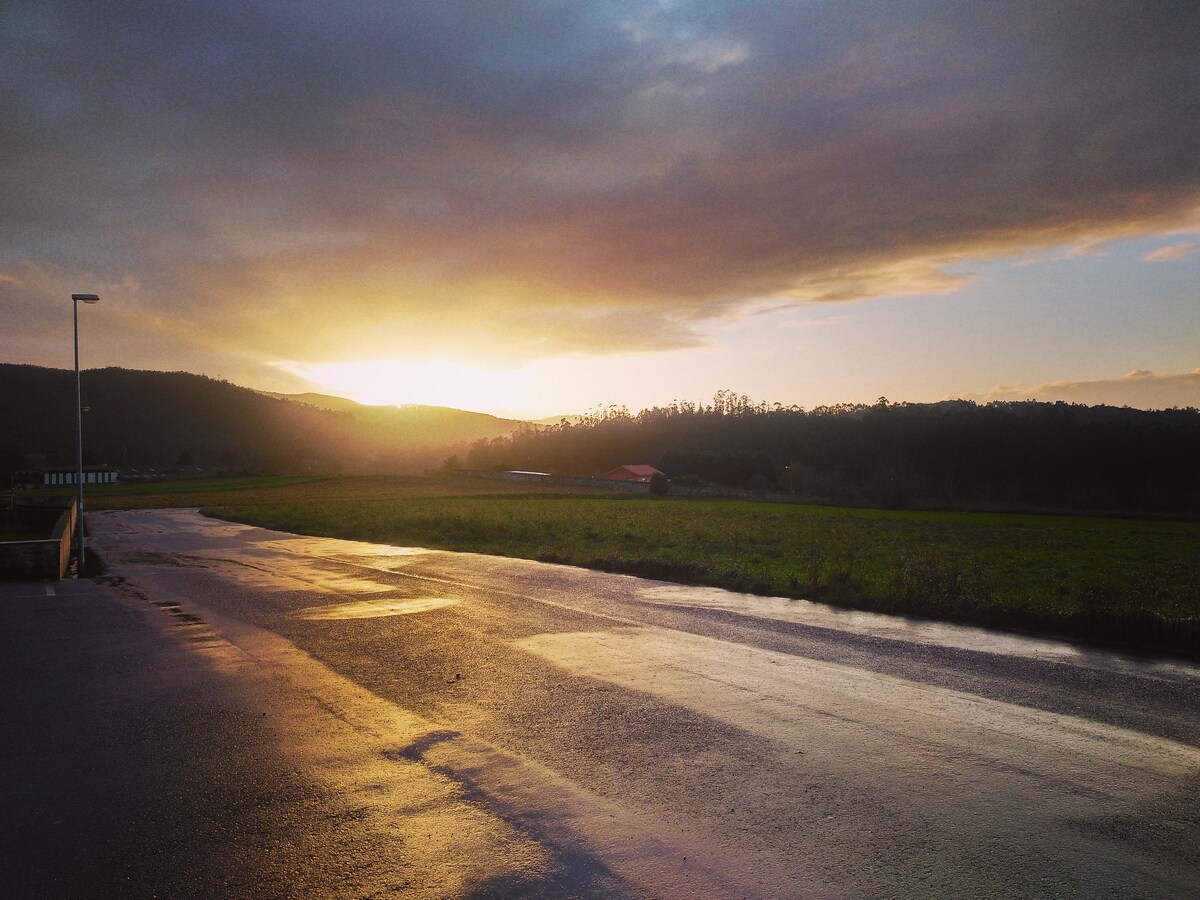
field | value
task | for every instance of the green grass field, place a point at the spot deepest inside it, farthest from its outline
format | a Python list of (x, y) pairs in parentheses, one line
[(1107, 577)]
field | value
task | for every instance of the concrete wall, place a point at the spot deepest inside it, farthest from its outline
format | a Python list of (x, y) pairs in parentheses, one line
[(26, 560)]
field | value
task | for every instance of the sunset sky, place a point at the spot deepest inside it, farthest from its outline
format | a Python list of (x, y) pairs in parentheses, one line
[(532, 208)]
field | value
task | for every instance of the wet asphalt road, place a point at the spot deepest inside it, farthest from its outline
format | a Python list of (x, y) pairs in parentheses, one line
[(475, 726)]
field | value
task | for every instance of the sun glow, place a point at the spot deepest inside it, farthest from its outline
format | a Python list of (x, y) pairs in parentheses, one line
[(434, 382)]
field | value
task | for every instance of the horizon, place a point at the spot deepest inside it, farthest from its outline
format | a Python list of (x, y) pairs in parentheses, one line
[(523, 210), (1066, 392)]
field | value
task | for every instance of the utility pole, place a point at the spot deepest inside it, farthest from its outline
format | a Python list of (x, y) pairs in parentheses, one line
[(75, 298)]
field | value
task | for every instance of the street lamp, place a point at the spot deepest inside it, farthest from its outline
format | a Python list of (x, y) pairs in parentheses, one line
[(76, 298)]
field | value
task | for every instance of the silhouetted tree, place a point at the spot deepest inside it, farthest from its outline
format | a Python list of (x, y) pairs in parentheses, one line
[(954, 454)]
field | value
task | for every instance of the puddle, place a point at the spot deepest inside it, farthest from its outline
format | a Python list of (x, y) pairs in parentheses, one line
[(351, 584), (337, 548), (913, 630), (373, 609)]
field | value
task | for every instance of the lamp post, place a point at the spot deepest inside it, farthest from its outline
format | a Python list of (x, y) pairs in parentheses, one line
[(86, 298)]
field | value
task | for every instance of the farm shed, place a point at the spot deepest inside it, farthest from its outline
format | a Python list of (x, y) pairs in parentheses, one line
[(632, 473)]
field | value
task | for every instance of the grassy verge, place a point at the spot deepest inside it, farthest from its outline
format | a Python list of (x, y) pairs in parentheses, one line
[(1132, 581)]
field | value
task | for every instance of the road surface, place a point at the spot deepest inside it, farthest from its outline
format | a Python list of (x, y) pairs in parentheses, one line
[(497, 727)]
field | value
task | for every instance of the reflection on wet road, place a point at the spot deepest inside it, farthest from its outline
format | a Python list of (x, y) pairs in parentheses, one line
[(369, 609), (540, 730)]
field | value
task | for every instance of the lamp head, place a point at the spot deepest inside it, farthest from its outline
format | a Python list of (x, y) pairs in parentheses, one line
[(86, 298)]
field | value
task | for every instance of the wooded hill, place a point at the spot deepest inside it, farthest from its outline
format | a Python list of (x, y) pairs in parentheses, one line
[(954, 454), (413, 425), (142, 419)]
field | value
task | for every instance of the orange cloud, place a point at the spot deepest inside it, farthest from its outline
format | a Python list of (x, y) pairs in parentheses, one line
[(1173, 252)]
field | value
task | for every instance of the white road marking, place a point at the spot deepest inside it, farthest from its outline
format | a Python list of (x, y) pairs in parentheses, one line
[(49, 589)]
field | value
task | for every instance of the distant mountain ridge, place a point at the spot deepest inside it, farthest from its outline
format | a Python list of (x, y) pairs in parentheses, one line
[(417, 422), (321, 401), (139, 418), (342, 404)]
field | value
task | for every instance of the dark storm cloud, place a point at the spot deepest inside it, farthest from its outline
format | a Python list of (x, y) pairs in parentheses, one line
[(283, 178)]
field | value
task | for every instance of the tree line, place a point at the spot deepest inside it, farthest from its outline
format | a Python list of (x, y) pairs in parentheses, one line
[(952, 454)]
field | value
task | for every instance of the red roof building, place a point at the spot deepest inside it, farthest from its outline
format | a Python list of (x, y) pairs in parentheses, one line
[(632, 473)]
